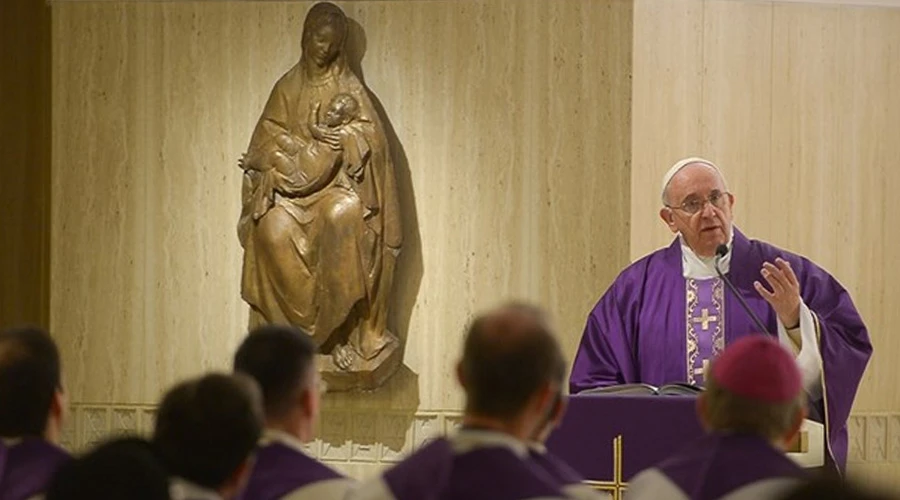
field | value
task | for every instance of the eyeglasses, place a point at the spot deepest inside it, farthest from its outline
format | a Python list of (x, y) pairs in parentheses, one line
[(694, 205)]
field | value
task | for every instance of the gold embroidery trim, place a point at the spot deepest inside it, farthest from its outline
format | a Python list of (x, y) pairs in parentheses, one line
[(718, 299), (690, 334)]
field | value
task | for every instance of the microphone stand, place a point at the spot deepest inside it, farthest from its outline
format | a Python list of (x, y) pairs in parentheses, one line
[(721, 251)]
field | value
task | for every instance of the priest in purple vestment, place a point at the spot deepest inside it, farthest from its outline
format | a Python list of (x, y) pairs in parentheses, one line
[(512, 371), (281, 360), (753, 408), (31, 413), (669, 314), (123, 468), (206, 433)]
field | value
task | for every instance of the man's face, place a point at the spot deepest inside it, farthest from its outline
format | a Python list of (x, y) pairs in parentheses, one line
[(698, 185)]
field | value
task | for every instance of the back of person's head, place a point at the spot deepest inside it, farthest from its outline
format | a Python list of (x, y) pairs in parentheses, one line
[(207, 428), (281, 361), (510, 356), (832, 487), (118, 469), (30, 385), (754, 387)]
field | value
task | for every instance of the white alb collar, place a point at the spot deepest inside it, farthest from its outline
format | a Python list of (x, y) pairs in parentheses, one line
[(471, 439), (270, 436), (700, 268)]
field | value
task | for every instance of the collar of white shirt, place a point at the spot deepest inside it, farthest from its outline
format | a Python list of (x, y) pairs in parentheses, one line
[(700, 268), (470, 439), (276, 436)]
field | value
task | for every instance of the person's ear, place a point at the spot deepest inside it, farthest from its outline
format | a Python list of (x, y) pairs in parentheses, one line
[(309, 402), (702, 409), (796, 425), (668, 217), (55, 416), (460, 375), (559, 409), (546, 400), (58, 405)]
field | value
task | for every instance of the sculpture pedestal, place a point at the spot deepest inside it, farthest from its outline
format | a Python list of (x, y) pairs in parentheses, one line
[(362, 374)]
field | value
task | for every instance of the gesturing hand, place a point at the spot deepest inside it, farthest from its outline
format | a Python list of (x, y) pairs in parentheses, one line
[(785, 294)]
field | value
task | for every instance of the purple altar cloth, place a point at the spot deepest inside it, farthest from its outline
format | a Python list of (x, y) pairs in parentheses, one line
[(652, 428)]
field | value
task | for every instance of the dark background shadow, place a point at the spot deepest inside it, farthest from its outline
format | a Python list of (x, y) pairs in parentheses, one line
[(409, 270), (393, 406)]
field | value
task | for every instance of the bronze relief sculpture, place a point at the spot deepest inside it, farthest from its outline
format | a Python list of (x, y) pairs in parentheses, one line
[(320, 219)]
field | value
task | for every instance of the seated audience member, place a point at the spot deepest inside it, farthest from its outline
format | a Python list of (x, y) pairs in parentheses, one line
[(571, 482), (31, 413), (511, 371), (830, 487), (205, 435), (121, 469), (753, 408), (281, 361)]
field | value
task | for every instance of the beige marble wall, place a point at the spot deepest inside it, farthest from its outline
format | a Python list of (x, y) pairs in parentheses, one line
[(514, 121), (798, 103)]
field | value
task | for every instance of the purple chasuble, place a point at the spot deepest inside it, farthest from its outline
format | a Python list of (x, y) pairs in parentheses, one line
[(718, 464), (486, 473), (27, 467), (636, 332), (280, 469)]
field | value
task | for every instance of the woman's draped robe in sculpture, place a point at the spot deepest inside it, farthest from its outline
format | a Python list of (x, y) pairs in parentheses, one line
[(322, 261)]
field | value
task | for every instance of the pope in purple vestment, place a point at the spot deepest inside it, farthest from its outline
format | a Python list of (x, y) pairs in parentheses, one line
[(668, 314)]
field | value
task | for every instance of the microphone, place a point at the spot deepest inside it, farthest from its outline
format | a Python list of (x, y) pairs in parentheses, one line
[(721, 251)]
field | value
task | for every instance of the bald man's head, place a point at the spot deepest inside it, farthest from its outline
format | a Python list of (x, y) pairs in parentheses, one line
[(510, 354)]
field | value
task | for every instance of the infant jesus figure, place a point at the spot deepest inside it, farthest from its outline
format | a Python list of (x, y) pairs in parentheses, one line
[(295, 168)]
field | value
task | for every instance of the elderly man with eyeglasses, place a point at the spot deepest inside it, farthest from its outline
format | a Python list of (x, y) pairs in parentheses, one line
[(670, 313)]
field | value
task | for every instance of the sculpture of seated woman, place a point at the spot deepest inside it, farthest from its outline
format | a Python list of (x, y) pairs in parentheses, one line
[(320, 222)]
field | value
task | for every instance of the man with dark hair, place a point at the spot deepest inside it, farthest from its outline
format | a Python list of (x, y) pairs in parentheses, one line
[(31, 412), (753, 408), (122, 468), (512, 371), (281, 360), (206, 431)]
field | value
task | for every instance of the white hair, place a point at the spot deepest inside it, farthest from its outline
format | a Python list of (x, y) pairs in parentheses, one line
[(683, 163)]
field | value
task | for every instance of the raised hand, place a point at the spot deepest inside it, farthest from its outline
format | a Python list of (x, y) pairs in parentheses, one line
[(785, 294)]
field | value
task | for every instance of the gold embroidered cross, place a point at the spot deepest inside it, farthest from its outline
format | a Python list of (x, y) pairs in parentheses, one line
[(702, 370), (705, 318)]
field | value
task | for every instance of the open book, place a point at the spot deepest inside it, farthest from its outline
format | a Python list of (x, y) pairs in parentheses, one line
[(676, 389)]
